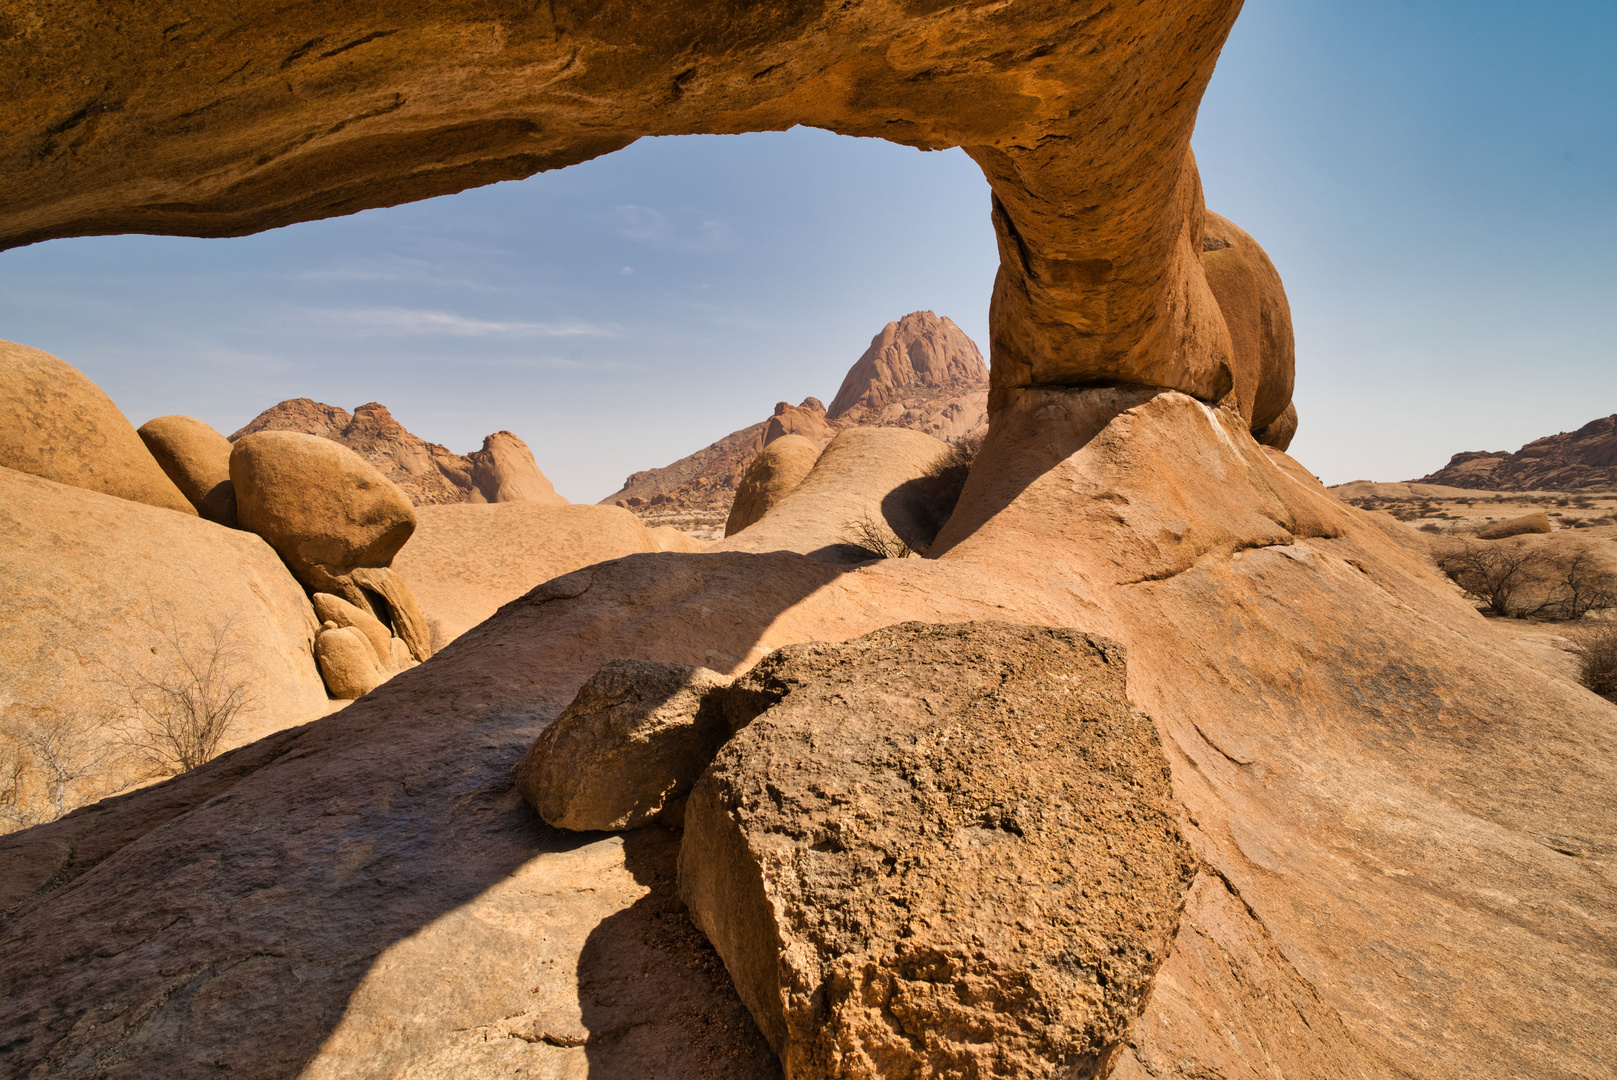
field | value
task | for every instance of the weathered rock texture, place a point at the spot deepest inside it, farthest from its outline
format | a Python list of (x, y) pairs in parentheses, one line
[(102, 592), (774, 474), (921, 372), (910, 365), (628, 749), (1582, 460), (318, 504), (248, 119), (1403, 820), (464, 562), (502, 471), (866, 475), (949, 851), (197, 459), (58, 424)]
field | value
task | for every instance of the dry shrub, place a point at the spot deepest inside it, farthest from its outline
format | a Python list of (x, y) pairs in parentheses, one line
[(1596, 650), (183, 709), (1496, 575), (875, 538), (50, 764), (1530, 581)]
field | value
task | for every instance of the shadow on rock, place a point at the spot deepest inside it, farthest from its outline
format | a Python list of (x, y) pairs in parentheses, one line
[(654, 996), (372, 895)]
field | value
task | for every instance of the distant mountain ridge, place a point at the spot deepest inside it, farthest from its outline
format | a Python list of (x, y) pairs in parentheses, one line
[(502, 471), (1581, 460), (920, 372)]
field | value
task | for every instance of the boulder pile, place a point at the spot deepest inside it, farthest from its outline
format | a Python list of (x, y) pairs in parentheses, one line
[(929, 851)]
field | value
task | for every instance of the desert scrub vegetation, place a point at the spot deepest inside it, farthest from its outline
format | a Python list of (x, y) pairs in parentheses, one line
[(1525, 581), (875, 539), (1596, 653), (176, 710), (182, 708), (52, 763)]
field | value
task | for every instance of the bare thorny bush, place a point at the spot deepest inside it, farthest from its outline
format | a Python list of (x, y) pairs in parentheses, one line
[(51, 763), (1525, 581), (179, 710), (937, 490), (1596, 651), (876, 538), (182, 712)]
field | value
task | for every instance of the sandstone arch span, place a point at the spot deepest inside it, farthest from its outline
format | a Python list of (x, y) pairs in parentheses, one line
[(189, 118)]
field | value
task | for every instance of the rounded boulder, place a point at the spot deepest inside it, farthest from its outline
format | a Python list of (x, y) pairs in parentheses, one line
[(1253, 302), (321, 506), (56, 423), (197, 459), (774, 474)]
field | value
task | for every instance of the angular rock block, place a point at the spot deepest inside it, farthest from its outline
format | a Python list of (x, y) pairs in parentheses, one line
[(943, 851), (629, 747)]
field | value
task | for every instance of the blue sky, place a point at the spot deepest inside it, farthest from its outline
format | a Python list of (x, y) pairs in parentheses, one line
[(1434, 181)]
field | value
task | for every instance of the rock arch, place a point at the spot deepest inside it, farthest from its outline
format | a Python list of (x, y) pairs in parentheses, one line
[(185, 118)]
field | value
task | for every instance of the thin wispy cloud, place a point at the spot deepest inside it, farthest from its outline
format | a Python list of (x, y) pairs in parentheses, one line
[(419, 322), (687, 231), (395, 269)]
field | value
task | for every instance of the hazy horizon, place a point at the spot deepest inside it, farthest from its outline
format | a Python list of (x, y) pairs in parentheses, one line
[(1431, 179)]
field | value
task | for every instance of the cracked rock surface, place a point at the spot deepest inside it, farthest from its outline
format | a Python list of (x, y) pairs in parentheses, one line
[(948, 850)]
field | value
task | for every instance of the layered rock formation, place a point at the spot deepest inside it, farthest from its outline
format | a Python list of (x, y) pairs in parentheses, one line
[(1581, 460), (502, 471)]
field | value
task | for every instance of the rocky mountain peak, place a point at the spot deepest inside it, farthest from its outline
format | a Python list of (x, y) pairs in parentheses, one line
[(917, 353)]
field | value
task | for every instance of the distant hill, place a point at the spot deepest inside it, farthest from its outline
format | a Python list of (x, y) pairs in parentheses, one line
[(502, 471), (920, 372), (1581, 460)]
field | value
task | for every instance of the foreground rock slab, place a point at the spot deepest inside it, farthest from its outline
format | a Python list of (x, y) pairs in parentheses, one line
[(948, 851)]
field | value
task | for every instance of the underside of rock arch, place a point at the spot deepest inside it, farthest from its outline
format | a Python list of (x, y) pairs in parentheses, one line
[(186, 118)]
